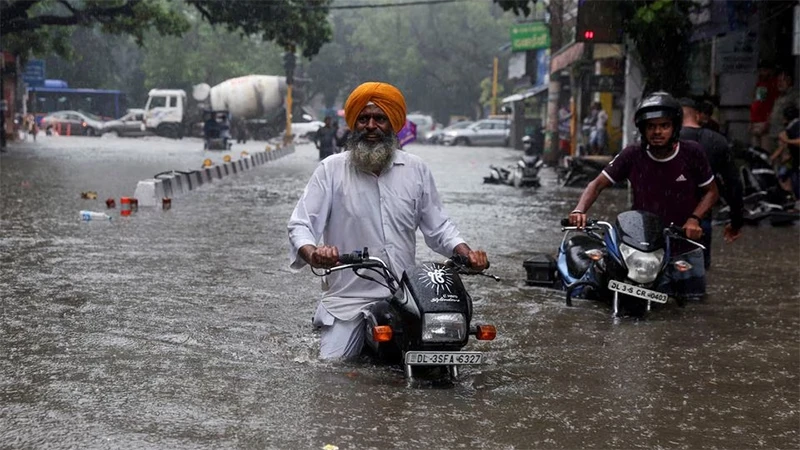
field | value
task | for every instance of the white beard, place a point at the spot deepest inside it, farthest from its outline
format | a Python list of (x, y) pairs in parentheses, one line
[(371, 157)]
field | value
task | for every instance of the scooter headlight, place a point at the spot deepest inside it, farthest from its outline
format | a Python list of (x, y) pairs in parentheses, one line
[(443, 327), (642, 267)]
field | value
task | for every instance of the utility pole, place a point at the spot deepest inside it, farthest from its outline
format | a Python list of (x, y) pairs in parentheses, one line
[(289, 62), (494, 87), (556, 10)]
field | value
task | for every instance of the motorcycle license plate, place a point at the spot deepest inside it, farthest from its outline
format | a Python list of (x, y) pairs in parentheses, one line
[(443, 358), (636, 291)]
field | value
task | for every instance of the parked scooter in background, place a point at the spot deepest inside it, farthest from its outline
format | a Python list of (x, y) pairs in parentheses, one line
[(763, 196), (524, 173), (579, 171)]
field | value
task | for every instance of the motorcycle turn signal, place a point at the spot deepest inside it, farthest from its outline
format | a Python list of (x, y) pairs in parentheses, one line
[(485, 332), (382, 333)]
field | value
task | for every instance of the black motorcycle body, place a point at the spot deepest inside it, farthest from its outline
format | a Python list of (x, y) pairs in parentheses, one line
[(763, 196), (579, 171), (525, 173), (427, 319)]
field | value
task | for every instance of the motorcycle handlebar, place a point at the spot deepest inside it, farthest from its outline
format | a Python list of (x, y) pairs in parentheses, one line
[(350, 258), (462, 260)]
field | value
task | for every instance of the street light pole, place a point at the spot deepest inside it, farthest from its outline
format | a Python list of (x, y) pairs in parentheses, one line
[(494, 87), (289, 61)]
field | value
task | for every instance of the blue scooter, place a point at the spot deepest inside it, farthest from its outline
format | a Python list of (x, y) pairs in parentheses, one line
[(624, 263)]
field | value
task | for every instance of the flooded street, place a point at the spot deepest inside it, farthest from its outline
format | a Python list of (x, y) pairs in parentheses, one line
[(186, 329)]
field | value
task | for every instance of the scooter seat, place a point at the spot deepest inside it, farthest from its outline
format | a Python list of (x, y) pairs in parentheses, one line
[(577, 261)]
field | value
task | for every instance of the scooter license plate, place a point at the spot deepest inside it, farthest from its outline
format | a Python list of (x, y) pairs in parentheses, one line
[(636, 291), (443, 358)]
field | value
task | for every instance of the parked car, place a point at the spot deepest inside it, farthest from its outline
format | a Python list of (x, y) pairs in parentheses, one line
[(437, 136), (74, 122), (483, 132), (424, 125), (131, 124), (307, 127)]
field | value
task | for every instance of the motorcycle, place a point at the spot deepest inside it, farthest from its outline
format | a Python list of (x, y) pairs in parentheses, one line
[(523, 174), (580, 170), (623, 263), (763, 195), (426, 320)]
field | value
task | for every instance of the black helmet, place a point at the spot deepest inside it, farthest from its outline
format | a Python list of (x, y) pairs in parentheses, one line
[(658, 105)]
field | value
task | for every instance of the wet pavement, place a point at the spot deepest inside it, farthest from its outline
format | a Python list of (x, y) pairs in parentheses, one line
[(185, 328)]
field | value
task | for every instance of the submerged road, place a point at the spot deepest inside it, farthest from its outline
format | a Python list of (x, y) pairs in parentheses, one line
[(186, 329)]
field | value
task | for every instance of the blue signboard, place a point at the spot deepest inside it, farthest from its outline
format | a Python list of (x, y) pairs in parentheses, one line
[(542, 67), (34, 74)]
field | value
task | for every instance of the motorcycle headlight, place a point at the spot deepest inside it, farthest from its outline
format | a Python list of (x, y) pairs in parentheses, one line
[(443, 327), (642, 267)]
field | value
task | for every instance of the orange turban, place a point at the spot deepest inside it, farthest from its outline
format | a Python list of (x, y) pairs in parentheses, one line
[(385, 96)]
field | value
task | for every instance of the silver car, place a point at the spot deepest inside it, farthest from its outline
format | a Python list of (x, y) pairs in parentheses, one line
[(72, 123), (437, 136), (488, 132), (131, 124)]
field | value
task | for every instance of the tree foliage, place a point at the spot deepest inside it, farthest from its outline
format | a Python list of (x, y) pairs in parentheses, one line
[(436, 54), (29, 23), (660, 30)]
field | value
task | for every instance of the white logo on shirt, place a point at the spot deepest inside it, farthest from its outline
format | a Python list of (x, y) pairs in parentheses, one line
[(681, 178)]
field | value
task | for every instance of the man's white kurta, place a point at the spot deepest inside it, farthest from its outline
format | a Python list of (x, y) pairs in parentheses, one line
[(351, 209)]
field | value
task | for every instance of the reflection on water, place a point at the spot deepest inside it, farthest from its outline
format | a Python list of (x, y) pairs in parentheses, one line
[(185, 329)]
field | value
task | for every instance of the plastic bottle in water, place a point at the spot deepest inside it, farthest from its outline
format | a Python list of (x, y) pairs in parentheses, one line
[(93, 215)]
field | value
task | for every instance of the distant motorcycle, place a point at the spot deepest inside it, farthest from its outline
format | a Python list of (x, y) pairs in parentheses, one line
[(579, 171), (763, 196), (523, 174)]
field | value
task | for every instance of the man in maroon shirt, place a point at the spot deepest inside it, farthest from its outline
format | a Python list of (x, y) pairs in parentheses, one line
[(669, 178)]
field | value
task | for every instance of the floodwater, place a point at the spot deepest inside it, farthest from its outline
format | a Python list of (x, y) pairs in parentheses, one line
[(186, 329)]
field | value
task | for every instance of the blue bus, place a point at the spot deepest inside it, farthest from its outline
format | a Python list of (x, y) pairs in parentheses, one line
[(55, 95)]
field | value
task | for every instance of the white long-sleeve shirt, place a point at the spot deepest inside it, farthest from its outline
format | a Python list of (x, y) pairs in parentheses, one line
[(351, 209)]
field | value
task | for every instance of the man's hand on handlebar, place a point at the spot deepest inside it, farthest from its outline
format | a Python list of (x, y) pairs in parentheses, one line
[(478, 260), (322, 257), (692, 229), (577, 219)]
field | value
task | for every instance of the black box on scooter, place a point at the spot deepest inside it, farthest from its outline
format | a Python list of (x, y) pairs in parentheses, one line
[(541, 270)]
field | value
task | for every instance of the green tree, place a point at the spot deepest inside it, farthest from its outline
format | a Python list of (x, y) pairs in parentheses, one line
[(436, 54), (661, 30), (29, 24)]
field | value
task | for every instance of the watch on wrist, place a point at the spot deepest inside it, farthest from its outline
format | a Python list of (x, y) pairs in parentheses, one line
[(694, 216)]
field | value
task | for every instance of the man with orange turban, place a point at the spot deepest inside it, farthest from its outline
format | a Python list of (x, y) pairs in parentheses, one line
[(371, 195)]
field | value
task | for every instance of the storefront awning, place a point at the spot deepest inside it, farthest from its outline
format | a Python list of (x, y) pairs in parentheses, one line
[(536, 90)]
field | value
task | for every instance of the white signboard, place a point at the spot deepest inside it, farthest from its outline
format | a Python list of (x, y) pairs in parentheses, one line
[(516, 65), (737, 53)]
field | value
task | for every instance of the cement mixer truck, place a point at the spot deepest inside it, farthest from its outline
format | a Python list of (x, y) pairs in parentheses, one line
[(256, 99)]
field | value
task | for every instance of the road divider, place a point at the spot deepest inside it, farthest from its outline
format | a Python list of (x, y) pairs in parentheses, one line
[(173, 183)]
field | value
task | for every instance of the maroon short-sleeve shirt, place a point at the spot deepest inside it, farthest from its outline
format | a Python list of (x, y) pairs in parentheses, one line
[(670, 187)]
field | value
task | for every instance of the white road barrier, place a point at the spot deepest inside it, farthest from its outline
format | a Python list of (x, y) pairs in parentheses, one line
[(152, 191)]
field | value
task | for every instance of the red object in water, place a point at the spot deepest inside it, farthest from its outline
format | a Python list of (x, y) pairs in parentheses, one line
[(134, 204), (166, 203), (125, 203), (110, 203)]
